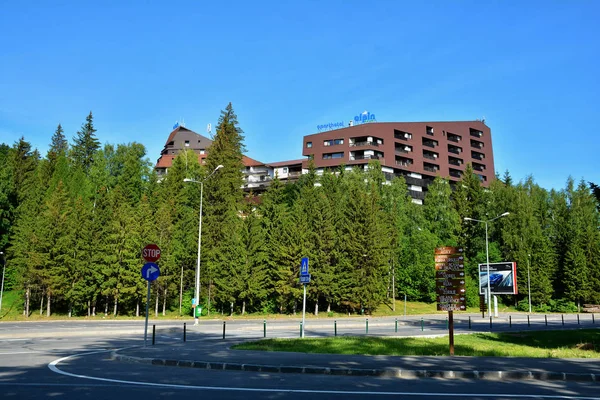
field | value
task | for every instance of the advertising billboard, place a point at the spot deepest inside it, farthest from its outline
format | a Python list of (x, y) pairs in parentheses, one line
[(503, 278)]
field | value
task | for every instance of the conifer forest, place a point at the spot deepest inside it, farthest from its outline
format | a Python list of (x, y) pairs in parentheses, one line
[(73, 223)]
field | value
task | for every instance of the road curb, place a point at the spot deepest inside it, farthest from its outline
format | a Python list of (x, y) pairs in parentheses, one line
[(390, 372)]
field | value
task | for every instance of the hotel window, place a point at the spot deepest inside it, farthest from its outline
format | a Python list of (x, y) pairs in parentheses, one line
[(332, 142), (308, 145), (187, 143), (285, 170), (327, 156)]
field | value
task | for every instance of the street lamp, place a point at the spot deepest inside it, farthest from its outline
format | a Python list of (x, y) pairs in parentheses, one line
[(487, 255), (529, 281), (3, 268), (200, 238)]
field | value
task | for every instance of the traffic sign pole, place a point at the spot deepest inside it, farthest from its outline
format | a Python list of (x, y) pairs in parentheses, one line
[(450, 285), (451, 331), (304, 280), (303, 311), (150, 272), (147, 308)]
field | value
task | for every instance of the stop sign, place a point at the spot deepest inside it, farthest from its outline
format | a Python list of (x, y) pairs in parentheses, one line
[(151, 253)]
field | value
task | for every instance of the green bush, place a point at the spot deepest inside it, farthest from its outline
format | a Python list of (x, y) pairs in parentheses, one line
[(542, 308), (563, 306), (555, 306), (523, 305)]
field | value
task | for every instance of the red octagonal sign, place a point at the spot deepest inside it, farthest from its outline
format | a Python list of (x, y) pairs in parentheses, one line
[(151, 253)]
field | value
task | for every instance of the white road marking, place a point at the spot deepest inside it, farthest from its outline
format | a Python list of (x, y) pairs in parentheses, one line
[(53, 367), (19, 352)]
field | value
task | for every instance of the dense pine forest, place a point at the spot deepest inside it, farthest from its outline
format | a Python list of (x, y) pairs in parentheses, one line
[(73, 223)]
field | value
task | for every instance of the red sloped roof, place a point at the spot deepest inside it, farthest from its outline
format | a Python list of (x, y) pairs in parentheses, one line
[(286, 163), (249, 162), (165, 161)]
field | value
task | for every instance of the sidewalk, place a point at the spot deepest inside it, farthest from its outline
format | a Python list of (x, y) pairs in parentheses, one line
[(216, 354)]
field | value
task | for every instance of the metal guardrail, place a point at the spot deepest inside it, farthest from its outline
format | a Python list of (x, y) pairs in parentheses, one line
[(384, 326)]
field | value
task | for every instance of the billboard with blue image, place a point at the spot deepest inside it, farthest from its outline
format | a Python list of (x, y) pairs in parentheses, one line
[(503, 278)]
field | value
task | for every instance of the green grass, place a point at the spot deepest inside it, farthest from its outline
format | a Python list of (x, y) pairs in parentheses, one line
[(546, 344), (12, 305)]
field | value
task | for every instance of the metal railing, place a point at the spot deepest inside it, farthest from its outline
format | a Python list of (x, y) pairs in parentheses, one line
[(358, 144), (398, 325)]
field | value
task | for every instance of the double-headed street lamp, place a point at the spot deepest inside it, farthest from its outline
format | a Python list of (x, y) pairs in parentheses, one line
[(487, 255), (200, 238)]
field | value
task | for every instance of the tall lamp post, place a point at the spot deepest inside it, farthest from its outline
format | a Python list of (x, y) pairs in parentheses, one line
[(3, 268), (487, 256), (529, 281), (200, 239)]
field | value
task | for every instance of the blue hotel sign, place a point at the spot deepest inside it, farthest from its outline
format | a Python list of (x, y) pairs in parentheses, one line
[(331, 125), (362, 118)]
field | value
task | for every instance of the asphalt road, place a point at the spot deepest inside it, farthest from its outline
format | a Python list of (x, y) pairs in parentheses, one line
[(290, 327), (81, 368)]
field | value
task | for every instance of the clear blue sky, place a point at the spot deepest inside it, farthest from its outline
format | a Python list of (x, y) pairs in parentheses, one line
[(530, 68)]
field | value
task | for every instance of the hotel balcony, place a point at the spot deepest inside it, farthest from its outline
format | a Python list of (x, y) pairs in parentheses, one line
[(477, 156), (430, 155), (431, 167), (478, 167), (476, 144), (454, 149), (455, 161), (365, 141), (429, 142), (365, 155), (402, 148), (453, 138), (402, 135), (403, 161), (455, 173), (475, 133)]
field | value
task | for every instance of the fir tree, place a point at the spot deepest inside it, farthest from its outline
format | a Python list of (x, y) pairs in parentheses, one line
[(85, 144), (440, 213), (58, 145)]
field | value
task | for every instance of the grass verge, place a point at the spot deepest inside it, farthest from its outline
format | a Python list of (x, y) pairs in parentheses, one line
[(547, 344)]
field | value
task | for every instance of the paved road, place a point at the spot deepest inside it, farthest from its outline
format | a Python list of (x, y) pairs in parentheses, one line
[(24, 372), (290, 327)]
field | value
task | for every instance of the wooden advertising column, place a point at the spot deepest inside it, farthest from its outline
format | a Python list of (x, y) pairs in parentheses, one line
[(450, 284)]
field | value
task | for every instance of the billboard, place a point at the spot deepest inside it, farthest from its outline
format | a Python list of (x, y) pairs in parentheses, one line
[(503, 278)]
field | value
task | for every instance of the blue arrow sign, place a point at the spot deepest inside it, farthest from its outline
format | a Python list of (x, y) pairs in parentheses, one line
[(305, 279), (150, 271), (304, 266)]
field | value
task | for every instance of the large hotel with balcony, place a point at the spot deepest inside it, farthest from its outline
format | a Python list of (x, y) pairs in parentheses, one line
[(418, 151)]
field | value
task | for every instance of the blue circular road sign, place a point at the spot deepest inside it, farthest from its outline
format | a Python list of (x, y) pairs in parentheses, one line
[(150, 271)]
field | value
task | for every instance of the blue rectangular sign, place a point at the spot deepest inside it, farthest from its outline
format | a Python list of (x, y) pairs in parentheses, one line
[(305, 279), (304, 266)]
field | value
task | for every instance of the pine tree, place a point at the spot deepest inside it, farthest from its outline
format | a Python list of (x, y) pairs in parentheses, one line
[(85, 144), (58, 145), (366, 242), (253, 272), (440, 213), (7, 206), (223, 202), (274, 220), (583, 248)]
